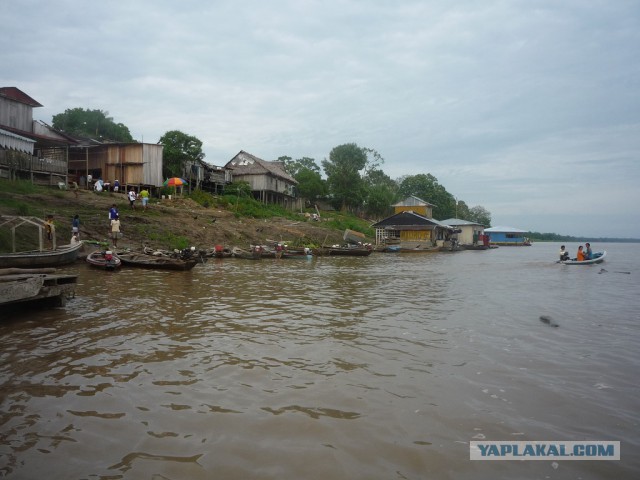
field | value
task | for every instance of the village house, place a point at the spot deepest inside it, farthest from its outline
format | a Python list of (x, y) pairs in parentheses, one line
[(416, 205), (470, 233), (207, 177), (30, 149), (132, 164), (412, 227), (36, 151), (507, 236), (269, 181)]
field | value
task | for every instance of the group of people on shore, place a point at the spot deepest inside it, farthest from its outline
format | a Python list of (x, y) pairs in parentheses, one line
[(114, 217), (143, 196), (131, 194), (584, 253)]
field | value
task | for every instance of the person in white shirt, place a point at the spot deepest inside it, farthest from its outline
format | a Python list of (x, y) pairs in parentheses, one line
[(132, 198)]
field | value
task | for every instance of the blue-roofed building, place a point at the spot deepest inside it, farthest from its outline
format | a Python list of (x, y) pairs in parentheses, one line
[(507, 236)]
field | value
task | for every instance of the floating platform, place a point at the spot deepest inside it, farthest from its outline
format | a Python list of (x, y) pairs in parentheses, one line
[(36, 285)]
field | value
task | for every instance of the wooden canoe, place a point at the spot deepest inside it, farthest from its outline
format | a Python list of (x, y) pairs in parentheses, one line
[(343, 251), (63, 255), (158, 262), (106, 260)]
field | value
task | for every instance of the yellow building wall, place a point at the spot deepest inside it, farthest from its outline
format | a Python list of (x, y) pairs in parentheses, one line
[(415, 235), (425, 211)]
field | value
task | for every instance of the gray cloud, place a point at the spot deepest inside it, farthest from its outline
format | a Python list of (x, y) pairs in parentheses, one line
[(529, 109)]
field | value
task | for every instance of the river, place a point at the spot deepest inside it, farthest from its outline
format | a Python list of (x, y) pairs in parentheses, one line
[(383, 367)]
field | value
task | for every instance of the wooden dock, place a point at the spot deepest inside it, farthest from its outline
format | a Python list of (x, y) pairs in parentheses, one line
[(18, 285)]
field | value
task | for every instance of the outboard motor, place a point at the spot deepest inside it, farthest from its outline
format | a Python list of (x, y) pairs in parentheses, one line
[(110, 263)]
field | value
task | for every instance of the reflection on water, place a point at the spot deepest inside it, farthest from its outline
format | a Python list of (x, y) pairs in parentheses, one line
[(377, 367)]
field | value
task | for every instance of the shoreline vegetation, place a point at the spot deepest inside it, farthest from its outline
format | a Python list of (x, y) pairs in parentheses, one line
[(554, 237)]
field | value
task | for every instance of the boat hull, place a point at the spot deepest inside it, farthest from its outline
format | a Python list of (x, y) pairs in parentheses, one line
[(156, 262), (98, 259), (593, 261), (343, 251), (63, 255)]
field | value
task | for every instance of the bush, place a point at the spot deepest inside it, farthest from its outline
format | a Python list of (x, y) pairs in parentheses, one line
[(344, 222), (22, 187), (250, 207), (203, 198), (241, 189)]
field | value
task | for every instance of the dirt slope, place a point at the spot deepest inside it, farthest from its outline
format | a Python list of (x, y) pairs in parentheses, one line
[(164, 222)]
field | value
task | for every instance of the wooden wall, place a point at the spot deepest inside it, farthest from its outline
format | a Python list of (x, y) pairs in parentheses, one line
[(15, 114)]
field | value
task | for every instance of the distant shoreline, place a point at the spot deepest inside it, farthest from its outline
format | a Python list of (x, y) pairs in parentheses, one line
[(585, 239)]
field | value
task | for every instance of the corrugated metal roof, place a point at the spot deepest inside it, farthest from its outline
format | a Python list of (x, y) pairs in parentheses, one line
[(456, 222), (504, 230), (406, 219), (413, 201), (12, 141), (18, 95)]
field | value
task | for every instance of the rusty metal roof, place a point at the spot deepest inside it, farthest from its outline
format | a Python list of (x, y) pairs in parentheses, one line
[(18, 95)]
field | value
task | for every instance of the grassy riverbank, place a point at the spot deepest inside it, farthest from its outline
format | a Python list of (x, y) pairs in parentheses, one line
[(200, 220)]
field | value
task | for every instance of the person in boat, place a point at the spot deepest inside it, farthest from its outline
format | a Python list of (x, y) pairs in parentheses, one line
[(588, 254), (580, 254), (564, 255)]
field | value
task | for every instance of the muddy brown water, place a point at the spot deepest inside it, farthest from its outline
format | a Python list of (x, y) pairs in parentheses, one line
[(383, 367)]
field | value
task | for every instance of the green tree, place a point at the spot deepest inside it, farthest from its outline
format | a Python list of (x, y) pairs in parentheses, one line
[(294, 166), (480, 215), (307, 173), (92, 124), (179, 148), (311, 185), (345, 169), (462, 211), (382, 192), (427, 188)]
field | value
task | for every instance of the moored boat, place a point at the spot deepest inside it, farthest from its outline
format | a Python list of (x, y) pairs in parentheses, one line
[(219, 251), (62, 255), (597, 258), (363, 251), (157, 261), (106, 260), (479, 246), (254, 254), (297, 253)]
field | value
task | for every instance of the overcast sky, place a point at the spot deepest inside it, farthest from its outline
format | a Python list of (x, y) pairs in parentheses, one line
[(528, 108)]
